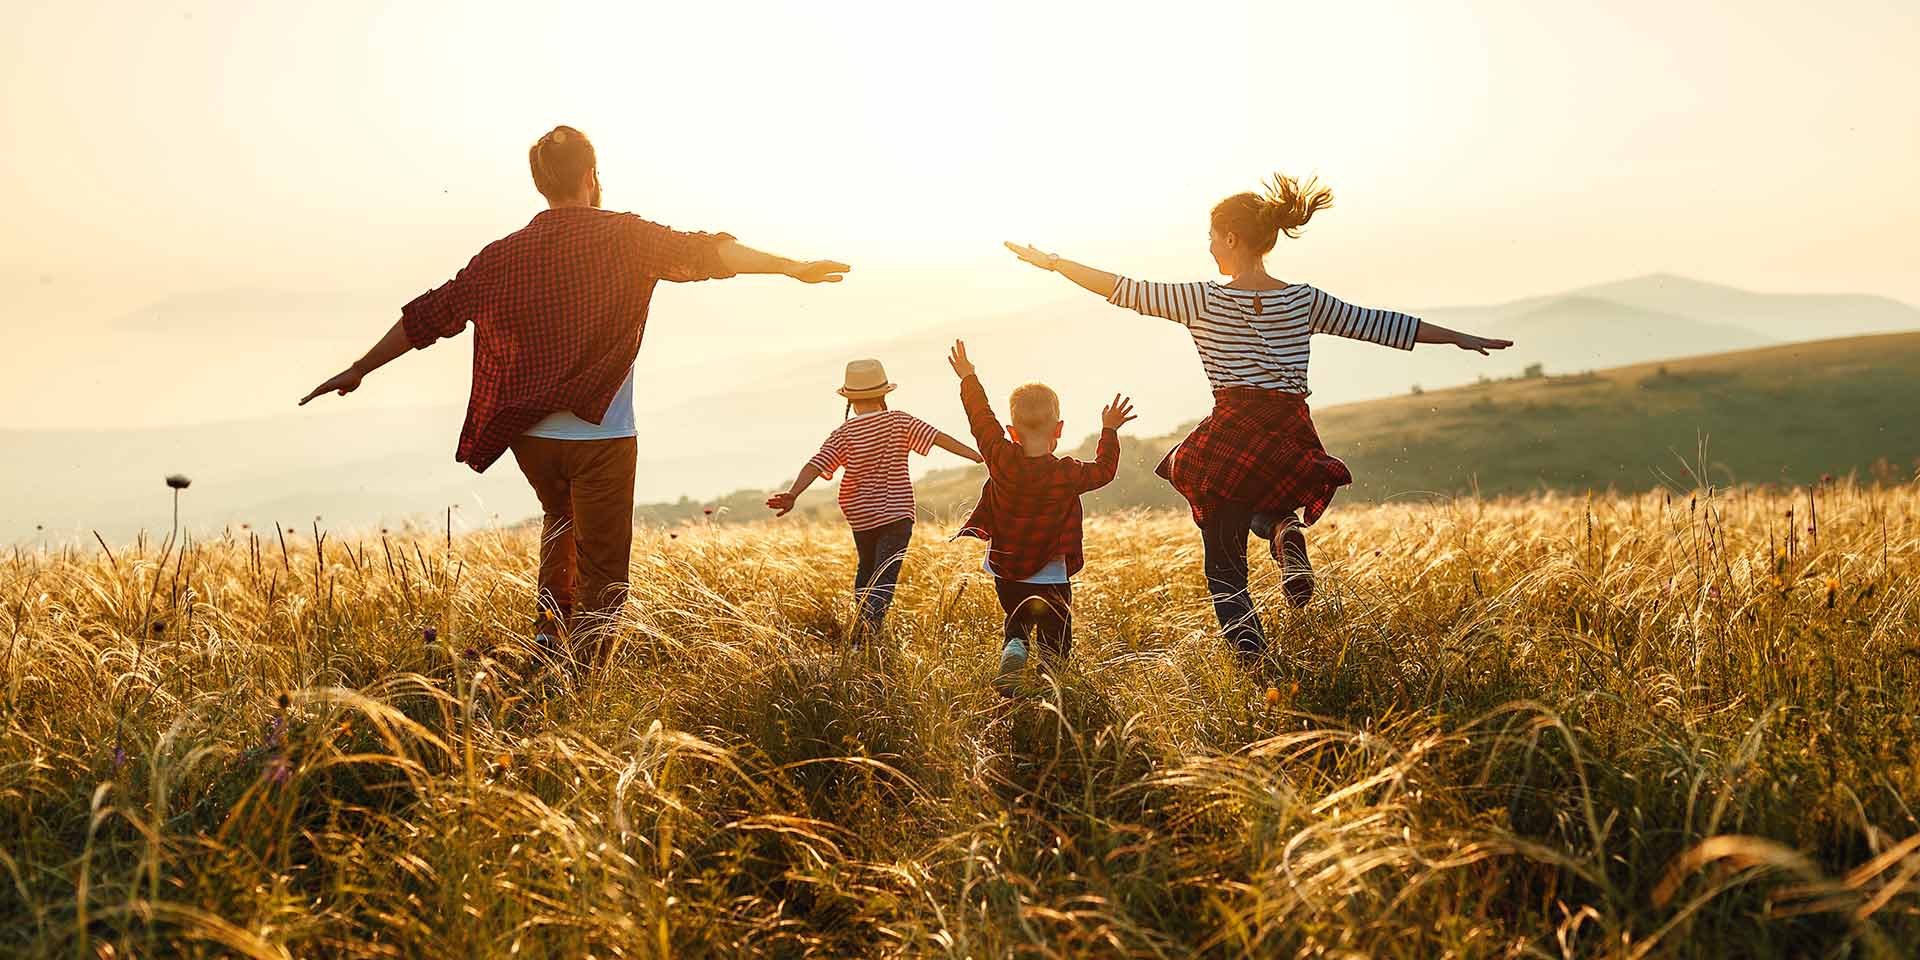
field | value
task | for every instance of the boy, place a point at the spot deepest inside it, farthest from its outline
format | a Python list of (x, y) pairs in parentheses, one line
[(1029, 510)]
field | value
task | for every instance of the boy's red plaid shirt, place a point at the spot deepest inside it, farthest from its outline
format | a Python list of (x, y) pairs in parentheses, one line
[(1029, 509), (558, 308)]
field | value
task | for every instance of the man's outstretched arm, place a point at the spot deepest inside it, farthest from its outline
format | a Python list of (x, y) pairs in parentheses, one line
[(392, 344), (740, 258)]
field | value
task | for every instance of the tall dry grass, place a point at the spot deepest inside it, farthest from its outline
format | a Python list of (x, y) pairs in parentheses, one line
[(1625, 727)]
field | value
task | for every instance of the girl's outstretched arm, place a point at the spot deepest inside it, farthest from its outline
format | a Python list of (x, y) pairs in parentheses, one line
[(1095, 280), (1435, 333), (957, 448), (783, 502)]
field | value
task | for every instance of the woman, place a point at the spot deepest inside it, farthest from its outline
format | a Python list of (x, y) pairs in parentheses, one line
[(1255, 465)]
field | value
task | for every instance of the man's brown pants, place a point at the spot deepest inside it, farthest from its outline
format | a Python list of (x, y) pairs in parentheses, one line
[(586, 495)]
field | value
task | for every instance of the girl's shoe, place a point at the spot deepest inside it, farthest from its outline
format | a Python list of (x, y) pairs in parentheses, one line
[(1013, 661), (1296, 571)]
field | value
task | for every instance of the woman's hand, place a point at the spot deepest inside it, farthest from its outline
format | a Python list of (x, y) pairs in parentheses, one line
[(1033, 255), (1480, 345), (782, 503)]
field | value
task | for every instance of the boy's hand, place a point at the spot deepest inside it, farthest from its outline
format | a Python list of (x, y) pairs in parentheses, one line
[(781, 502), (1118, 413), (957, 359)]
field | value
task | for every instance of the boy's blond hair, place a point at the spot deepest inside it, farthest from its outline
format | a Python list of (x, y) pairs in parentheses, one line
[(1034, 406)]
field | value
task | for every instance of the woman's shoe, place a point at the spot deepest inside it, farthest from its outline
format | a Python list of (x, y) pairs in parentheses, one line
[(1296, 571)]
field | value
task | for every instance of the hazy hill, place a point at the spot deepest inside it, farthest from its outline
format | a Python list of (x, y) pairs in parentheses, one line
[(1786, 414)]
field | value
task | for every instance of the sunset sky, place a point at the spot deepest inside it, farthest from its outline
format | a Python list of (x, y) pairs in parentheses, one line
[(212, 206)]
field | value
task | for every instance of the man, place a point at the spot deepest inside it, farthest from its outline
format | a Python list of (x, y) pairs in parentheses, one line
[(559, 308)]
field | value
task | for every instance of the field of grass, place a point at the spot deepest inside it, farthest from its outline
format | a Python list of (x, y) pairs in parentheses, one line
[(1661, 725)]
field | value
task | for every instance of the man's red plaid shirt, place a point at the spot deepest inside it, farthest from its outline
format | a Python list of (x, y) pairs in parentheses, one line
[(1029, 510), (558, 309)]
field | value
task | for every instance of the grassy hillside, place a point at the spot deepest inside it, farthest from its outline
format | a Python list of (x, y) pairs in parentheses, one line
[(1787, 414), (1624, 728)]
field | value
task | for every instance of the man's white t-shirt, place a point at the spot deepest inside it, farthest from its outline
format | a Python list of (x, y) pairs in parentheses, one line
[(617, 423), (1054, 572)]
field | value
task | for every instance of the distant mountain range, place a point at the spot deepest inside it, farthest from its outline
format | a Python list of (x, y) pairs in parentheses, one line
[(753, 427)]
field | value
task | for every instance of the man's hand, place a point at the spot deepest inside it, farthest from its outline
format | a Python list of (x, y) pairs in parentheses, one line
[(1118, 413), (342, 383), (957, 359), (1033, 255), (782, 503), (818, 271), (1481, 345)]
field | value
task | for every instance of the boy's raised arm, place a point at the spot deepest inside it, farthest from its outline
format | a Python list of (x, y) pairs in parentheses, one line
[(973, 397), (1106, 458)]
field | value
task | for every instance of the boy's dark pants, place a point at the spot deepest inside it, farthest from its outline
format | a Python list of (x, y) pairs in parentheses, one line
[(1225, 539), (1047, 623), (882, 550)]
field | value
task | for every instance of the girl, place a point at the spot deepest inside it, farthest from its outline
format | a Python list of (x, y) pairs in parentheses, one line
[(1255, 465), (876, 495)]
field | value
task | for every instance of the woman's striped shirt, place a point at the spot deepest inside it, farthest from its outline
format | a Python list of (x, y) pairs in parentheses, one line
[(1259, 338), (873, 449)]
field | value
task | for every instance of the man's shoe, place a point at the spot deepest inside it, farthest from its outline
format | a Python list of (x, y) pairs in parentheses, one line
[(1013, 662), (1296, 571)]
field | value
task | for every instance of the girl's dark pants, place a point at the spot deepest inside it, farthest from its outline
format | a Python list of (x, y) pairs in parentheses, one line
[(882, 549), (1224, 537), (1046, 626)]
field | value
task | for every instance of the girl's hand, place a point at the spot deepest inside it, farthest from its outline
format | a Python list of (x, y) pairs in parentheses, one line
[(782, 503), (1118, 413), (1481, 345), (957, 359), (1034, 255)]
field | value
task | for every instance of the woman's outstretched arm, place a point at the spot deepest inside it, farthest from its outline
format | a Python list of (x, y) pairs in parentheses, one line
[(1435, 333), (1093, 279)]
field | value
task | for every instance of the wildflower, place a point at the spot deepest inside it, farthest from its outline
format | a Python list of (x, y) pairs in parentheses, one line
[(1273, 696), (1833, 591), (285, 700), (178, 481), (673, 536), (431, 635), (503, 761), (119, 757), (1826, 478), (159, 627), (707, 510), (277, 773), (470, 653)]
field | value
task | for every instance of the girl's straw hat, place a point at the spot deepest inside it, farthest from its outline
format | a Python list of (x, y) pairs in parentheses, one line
[(866, 379)]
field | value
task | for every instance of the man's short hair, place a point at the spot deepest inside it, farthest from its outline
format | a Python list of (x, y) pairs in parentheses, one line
[(559, 160), (1034, 406)]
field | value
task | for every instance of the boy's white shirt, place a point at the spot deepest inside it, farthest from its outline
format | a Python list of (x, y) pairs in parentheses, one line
[(1054, 572)]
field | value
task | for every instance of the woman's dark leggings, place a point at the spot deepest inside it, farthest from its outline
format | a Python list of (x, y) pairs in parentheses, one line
[(882, 550), (1224, 536)]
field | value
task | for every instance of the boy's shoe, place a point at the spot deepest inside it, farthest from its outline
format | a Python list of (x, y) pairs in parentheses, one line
[(1013, 661), (1296, 571)]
